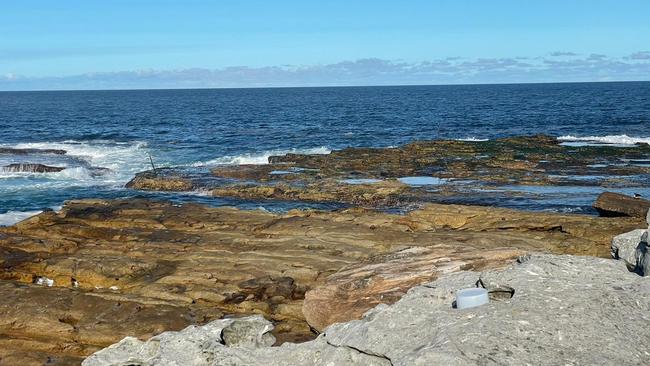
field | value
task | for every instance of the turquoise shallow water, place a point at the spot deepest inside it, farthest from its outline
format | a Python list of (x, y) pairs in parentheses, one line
[(118, 130)]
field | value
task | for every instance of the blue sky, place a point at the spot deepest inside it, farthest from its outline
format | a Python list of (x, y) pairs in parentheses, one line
[(139, 44)]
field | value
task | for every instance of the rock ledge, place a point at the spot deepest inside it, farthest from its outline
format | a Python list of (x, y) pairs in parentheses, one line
[(565, 310)]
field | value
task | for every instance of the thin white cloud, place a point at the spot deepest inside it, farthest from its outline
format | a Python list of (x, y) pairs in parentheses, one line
[(369, 71), (563, 54)]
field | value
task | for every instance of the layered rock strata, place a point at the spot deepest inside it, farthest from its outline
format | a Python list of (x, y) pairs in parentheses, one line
[(544, 310), (75, 281)]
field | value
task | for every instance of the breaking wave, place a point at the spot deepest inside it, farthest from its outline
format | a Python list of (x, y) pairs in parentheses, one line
[(472, 139), (92, 162), (11, 217), (259, 158), (609, 139)]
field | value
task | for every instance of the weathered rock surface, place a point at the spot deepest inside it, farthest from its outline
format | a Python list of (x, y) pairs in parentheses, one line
[(616, 204), (632, 248), (199, 263), (524, 160), (153, 181), (557, 310), (358, 287), (31, 168), (191, 346)]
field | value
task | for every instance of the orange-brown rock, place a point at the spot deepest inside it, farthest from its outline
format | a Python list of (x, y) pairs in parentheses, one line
[(616, 204), (359, 287), (153, 181), (138, 267)]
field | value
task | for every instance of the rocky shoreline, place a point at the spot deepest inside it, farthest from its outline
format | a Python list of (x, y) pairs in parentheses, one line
[(76, 281), (557, 310), (406, 176)]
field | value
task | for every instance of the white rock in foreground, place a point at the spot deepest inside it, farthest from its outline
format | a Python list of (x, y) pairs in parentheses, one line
[(566, 310)]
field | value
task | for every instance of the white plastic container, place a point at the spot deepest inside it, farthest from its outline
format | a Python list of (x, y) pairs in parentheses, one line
[(471, 297)]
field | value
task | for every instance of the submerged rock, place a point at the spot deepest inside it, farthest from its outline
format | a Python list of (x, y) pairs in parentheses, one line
[(544, 310), (12, 151), (615, 204)]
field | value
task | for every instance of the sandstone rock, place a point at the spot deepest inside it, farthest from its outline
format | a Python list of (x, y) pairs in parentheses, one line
[(616, 204), (557, 310), (350, 292), (527, 160), (152, 181), (189, 264), (561, 309)]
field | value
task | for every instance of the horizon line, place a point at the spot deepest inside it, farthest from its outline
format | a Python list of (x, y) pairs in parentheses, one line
[(331, 86)]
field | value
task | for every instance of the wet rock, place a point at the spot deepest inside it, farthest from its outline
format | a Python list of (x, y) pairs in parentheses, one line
[(12, 151), (556, 313), (615, 204), (153, 181), (31, 168)]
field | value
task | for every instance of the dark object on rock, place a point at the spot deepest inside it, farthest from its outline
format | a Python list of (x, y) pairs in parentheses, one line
[(611, 204), (31, 168)]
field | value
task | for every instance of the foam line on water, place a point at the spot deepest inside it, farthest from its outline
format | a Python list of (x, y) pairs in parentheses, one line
[(261, 157), (472, 139), (608, 139)]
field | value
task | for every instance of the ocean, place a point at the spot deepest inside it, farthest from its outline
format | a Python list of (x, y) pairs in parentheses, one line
[(119, 130)]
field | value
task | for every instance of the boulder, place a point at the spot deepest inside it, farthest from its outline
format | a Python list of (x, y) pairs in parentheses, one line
[(616, 204), (543, 310), (632, 248)]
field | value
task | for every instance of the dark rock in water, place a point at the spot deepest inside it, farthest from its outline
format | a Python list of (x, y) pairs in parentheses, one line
[(11, 151), (615, 204), (152, 181), (97, 171), (31, 168)]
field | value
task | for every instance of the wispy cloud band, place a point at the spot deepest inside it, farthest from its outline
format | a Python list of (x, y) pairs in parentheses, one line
[(557, 66)]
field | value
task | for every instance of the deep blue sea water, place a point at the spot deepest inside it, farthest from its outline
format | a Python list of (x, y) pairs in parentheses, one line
[(117, 129)]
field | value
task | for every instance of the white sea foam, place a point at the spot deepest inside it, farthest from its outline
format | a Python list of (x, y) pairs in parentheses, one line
[(472, 139), (122, 159), (11, 217), (608, 140), (259, 158)]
